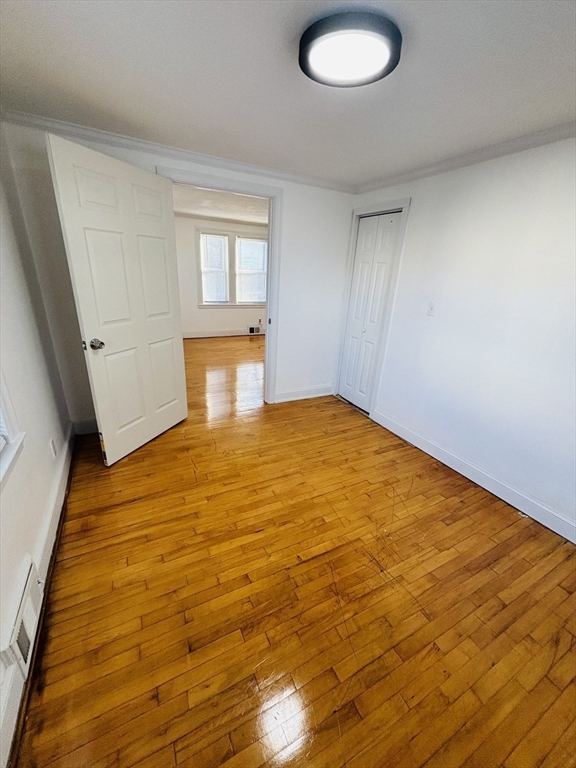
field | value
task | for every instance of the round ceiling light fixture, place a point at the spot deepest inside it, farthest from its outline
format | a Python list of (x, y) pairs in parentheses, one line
[(350, 49)]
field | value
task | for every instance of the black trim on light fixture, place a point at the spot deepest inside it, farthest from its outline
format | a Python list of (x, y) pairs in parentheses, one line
[(350, 22)]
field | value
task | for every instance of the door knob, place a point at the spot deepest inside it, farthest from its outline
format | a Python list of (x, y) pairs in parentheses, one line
[(96, 344)]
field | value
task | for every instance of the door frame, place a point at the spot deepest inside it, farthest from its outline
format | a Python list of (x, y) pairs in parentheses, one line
[(274, 195), (401, 206)]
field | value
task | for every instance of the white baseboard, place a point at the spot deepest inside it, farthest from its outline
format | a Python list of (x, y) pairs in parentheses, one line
[(12, 689), (304, 394), (88, 427), (43, 553), (210, 334), (13, 681), (526, 504)]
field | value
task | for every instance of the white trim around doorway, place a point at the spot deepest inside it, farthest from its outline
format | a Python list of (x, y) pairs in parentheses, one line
[(274, 195)]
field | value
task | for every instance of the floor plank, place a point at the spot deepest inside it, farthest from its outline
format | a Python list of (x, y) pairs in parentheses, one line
[(292, 585)]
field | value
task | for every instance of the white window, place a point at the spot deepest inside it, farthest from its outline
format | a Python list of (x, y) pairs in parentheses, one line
[(250, 270), (11, 438), (4, 435), (233, 269), (214, 264)]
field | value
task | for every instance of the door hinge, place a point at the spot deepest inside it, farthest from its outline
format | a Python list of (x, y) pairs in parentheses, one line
[(83, 344)]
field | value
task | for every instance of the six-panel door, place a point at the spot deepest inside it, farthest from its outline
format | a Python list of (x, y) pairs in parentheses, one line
[(118, 226), (374, 252)]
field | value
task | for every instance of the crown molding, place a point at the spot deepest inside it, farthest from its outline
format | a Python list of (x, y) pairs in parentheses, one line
[(82, 133), (220, 220), (529, 141)]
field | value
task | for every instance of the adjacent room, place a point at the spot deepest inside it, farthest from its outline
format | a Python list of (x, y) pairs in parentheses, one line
[(222, 254), (222, 249), (288, 384)]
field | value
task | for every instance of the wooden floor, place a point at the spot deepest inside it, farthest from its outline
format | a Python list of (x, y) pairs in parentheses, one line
[(292, 585)]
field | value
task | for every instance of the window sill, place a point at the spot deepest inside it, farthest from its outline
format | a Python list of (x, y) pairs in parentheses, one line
[(232, 306), (9, 455)]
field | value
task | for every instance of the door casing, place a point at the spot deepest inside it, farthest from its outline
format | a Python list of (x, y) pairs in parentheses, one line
[(274, 195), (403, 206)]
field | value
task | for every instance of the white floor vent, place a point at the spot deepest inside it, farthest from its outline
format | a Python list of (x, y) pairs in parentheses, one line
[(19, 650)]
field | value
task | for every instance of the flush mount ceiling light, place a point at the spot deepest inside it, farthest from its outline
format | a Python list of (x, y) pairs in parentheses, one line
[(350, 49)]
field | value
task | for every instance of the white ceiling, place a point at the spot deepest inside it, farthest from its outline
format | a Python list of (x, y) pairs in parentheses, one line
[(208, 203), (221, 77)]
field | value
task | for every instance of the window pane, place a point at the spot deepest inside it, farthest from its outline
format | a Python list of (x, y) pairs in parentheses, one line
[(214, 252), (251, 288), (3, 427), (251, 255), (3, 432), (215, 286)]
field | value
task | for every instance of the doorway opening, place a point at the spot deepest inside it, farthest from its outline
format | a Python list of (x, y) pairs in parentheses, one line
[(222, 247), (118, 228), (253, 205)]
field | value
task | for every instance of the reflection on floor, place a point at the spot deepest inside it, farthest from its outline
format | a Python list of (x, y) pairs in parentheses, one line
[(291, 585), (233, 383)]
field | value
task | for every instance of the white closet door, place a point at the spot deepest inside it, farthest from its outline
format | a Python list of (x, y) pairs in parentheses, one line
[(118, 227), (375, 246)]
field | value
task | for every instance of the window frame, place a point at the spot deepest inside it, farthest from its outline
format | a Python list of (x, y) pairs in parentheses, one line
[(9, 452), (242, 231), (218, 271), (249, 271)]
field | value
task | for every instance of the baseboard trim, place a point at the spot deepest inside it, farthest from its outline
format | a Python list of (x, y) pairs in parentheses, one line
[(55, 505), (88, 427), (521, 501), (18, 688), (212, 334), (304, 394), (12, 698)]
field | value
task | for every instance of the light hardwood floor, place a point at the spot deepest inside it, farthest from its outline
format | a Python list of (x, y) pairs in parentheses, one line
[(292, 585)]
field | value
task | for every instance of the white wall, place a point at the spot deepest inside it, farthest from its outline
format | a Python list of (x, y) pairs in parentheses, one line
[(313, 251), (209, 321), (487, 384), (32, 493), (29, 160)]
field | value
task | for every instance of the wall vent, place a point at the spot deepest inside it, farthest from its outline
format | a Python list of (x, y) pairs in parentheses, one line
[(254, 329), (19, 650), (23, 642)]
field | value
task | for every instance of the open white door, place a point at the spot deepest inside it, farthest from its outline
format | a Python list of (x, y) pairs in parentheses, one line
[(118, 227)]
